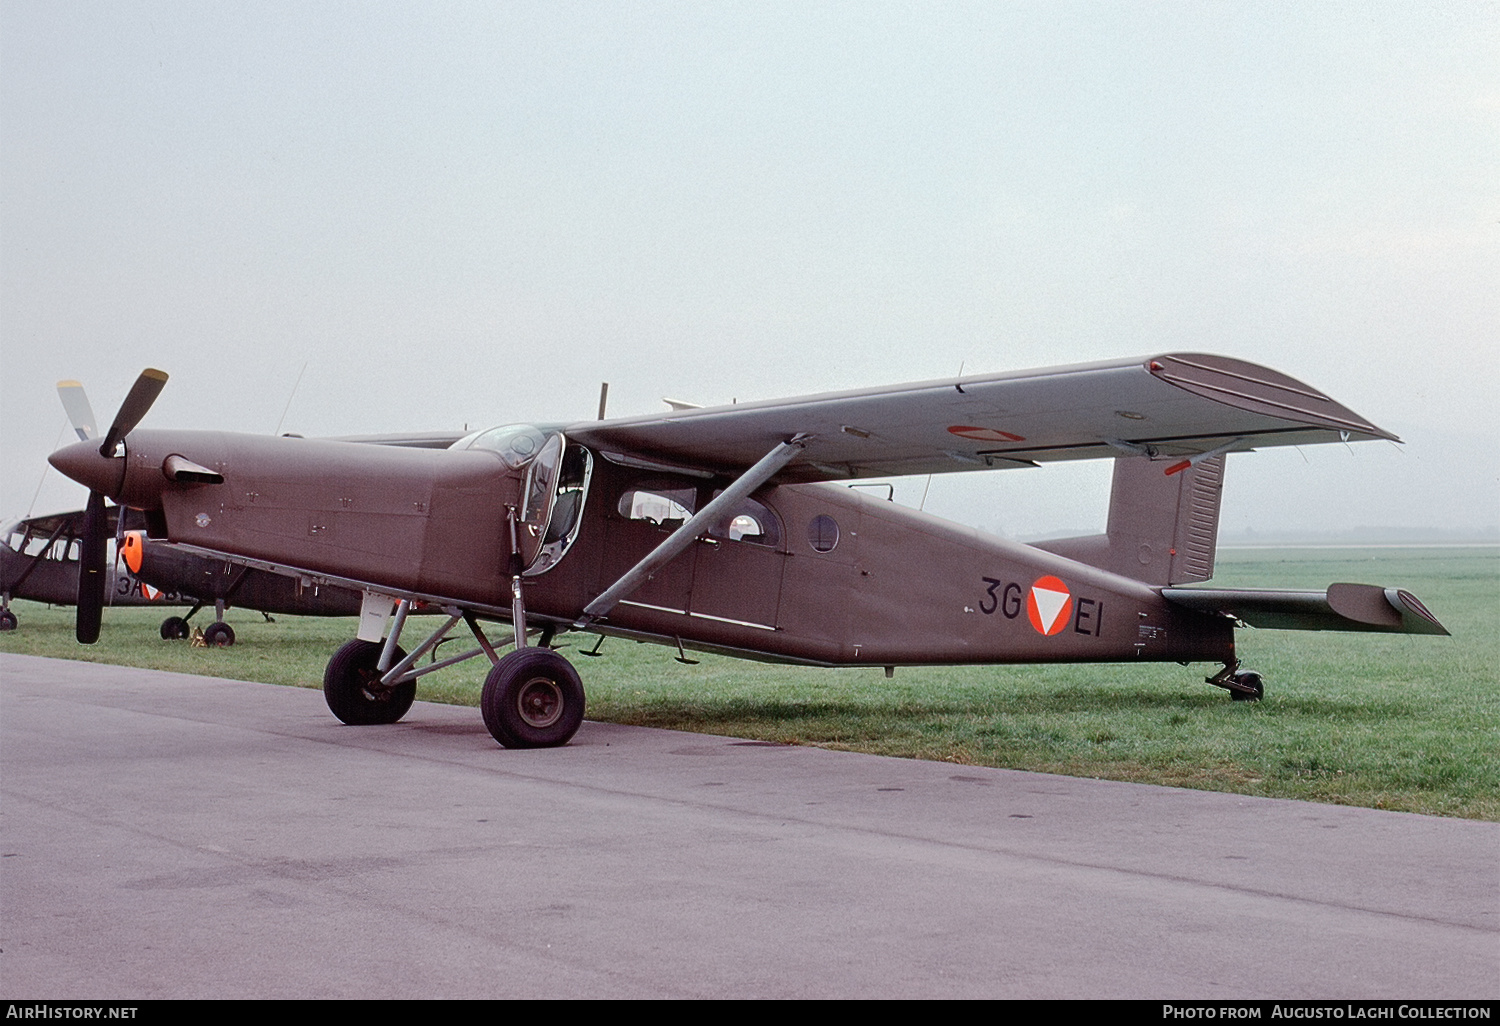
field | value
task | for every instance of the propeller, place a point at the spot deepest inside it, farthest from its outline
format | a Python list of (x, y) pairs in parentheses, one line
[(93, 545), (142, 394), (76, 402)]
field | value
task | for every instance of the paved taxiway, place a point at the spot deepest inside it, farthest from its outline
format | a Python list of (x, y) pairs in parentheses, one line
[(176, 836)]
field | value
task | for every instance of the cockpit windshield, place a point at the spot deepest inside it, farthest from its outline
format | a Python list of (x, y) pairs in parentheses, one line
[(517, 444)]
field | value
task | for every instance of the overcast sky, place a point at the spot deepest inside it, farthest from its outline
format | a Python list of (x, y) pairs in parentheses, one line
[(472, 213)]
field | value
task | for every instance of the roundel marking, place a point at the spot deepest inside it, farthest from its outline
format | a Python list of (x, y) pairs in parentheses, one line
[(984, 434), (133, 551), (1048, 604)]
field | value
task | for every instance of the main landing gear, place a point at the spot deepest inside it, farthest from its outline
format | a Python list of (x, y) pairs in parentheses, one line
[(532, 698), (1242, 685), (216, 635)]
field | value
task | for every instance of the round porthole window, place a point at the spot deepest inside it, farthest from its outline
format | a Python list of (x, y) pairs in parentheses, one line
[(823, 533)]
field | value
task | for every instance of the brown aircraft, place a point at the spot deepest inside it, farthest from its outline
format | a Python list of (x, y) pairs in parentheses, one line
[(722, 529)]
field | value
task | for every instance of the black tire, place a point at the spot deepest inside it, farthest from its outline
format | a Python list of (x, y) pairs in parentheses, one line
[(351, 686), (218, 635), (8, 621), (533, 698), (1248, 679), (175, 628)]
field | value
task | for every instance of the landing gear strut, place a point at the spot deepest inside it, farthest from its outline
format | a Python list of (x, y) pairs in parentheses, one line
[(1242, 685)]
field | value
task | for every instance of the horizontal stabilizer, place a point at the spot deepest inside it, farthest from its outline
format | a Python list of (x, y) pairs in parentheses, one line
[(1343, 607)]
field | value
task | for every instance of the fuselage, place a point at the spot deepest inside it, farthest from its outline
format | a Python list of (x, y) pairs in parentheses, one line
[(815, 573)]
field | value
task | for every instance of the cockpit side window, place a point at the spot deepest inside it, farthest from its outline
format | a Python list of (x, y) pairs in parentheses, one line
[(566, 515)]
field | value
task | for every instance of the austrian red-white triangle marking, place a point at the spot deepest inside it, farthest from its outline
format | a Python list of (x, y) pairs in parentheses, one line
[(1048, 605)]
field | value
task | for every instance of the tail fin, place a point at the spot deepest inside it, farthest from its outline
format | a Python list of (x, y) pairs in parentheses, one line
[(1163, 528)]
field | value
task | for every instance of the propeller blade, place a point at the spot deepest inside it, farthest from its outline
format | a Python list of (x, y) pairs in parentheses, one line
[(91, 570), (80, 413), (142, 394)]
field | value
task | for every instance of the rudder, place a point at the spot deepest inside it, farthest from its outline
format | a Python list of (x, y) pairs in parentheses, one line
[(1163, 528)]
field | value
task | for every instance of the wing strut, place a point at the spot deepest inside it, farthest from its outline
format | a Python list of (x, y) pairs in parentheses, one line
[(685, 535)]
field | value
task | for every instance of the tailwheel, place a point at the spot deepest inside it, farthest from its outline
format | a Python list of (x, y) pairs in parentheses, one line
[(1248, 686), (533, 698), (352, 688), (175, 628), (1242, 685)]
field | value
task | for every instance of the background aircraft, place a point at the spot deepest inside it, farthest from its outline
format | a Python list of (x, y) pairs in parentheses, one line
[(219, 584), (722, 529), (39, 561)]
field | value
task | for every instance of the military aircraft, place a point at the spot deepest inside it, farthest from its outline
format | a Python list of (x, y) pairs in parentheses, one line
[(39, 561), (220, 583), (724, 529)]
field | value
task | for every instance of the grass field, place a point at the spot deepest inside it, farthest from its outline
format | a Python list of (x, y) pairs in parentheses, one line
[(1386, 721)]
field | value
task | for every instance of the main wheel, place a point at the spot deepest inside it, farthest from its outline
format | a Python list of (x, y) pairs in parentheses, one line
[(218, 635), (532, 698), (1249, 679), (352, 688), (8, 621), (175, 628)]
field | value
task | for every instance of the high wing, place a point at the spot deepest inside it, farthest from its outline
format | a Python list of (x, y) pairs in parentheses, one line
[(1172, 407)]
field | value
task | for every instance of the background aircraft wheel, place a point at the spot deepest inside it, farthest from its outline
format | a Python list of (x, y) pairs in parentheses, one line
[(218, 635), (533, 698), (175, 628), (8, 620), (1252, 680), (351, 686)]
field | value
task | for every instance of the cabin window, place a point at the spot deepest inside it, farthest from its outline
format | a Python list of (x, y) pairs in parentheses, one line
[(659, 503), (750, 521), (823, 533)]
